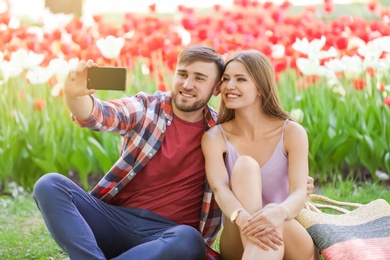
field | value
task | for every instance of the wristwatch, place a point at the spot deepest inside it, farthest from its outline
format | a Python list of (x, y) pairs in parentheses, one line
[(234, 215)]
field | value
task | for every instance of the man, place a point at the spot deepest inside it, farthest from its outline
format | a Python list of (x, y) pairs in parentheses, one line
[(156, 216)]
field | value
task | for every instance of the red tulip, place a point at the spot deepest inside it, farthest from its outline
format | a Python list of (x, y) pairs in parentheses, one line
[(203, 34), (381, 86), (387, 101), (285, 5), (162, 86), (280, 66), (217, 8), (152, 8), (359, 84), (268, 5), (342, 43), (370, 71), (372, 5), (189, 23), (328, 6), (39, 104)]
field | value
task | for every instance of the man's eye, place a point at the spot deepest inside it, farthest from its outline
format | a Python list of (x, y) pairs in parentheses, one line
[(199, 78)]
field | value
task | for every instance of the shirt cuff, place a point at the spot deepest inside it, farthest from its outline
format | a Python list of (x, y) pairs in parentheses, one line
[(92, 118)]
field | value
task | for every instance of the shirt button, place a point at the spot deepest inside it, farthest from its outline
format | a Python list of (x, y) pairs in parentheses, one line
[(150, 154), (169, 122), (116, 189)]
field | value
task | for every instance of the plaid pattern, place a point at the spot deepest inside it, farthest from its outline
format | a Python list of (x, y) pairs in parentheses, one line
[(141, 120)]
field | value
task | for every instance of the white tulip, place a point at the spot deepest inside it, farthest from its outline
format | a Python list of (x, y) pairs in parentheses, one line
[(8, 70), (297, 114), (351, 66), (313, 49), (26, 59), (111, 46), (39, 75), (278, 51), (52, 22), (383, 43), (311, 67)]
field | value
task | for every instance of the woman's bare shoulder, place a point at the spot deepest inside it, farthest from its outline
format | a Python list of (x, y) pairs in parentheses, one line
[(295, 133), (213, 137)]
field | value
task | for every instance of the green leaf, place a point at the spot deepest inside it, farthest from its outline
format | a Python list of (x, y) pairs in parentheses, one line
[(83, 164), (100, 154), (46, 166)]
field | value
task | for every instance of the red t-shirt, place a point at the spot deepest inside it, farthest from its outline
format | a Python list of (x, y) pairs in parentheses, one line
[(172, 183)]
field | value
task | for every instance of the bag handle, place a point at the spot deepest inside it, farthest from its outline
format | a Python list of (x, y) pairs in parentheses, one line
[(331, 204)]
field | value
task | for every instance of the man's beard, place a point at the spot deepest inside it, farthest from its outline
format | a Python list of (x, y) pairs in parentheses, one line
[(200, 104)]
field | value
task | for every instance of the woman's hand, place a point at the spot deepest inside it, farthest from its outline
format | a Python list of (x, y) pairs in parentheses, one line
[(270, 240), (265, 240), (265, 221)]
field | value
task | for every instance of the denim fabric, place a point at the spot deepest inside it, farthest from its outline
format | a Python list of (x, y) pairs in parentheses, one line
[(87, 228)]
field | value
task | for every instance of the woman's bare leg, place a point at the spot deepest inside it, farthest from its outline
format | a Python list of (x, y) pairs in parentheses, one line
[(246, 185), (298, 243)]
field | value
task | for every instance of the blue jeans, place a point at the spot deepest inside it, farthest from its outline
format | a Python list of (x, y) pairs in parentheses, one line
[(87, 228)]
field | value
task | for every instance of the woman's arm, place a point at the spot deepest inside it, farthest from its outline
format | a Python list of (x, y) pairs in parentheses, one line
[(213, 146), (296, 146)]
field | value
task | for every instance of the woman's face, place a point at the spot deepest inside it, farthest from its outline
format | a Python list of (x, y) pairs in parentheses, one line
[(238, 88)]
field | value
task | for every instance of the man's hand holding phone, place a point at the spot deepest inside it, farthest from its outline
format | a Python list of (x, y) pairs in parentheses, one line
[(76, 81), (87, 77), (85, 80), (77, 96)]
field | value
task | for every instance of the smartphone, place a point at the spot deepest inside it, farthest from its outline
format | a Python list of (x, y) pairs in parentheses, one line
[(106, 78)]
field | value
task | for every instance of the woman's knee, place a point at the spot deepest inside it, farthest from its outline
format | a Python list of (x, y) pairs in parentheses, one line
[(246, 171), (247, 165)]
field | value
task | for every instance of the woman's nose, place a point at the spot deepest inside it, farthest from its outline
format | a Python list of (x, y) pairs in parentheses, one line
[(231, 84)]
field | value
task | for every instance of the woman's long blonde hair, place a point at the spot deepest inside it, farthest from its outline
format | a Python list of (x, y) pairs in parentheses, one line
[(261, 71)]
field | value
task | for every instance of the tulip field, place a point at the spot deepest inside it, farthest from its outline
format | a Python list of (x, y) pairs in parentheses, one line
[(332, 71)]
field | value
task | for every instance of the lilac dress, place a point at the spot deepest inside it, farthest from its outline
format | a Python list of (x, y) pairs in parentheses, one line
[(274, 174)]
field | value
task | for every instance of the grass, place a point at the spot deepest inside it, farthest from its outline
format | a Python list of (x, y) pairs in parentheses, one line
[(23, 234)]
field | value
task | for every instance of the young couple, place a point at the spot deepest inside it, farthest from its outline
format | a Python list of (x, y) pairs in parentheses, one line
[(155, 202)]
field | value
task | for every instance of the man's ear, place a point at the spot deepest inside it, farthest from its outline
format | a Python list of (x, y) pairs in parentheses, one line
[(217, 89)]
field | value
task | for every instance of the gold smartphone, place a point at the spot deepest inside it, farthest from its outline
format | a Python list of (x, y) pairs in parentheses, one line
[(106, 78)]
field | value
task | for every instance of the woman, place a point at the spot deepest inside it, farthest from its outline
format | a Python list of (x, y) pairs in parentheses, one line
[(257, 165)]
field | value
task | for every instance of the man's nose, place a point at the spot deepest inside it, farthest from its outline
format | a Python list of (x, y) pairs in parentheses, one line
[(188, 83)]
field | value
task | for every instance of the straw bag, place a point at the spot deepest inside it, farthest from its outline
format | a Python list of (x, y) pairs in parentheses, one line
[(356, 231)]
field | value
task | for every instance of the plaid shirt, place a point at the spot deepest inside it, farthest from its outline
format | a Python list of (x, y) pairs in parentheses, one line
[(142, 120)]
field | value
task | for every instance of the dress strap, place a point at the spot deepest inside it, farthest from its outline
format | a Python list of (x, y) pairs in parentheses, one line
[(223, 133), (284, 126)]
